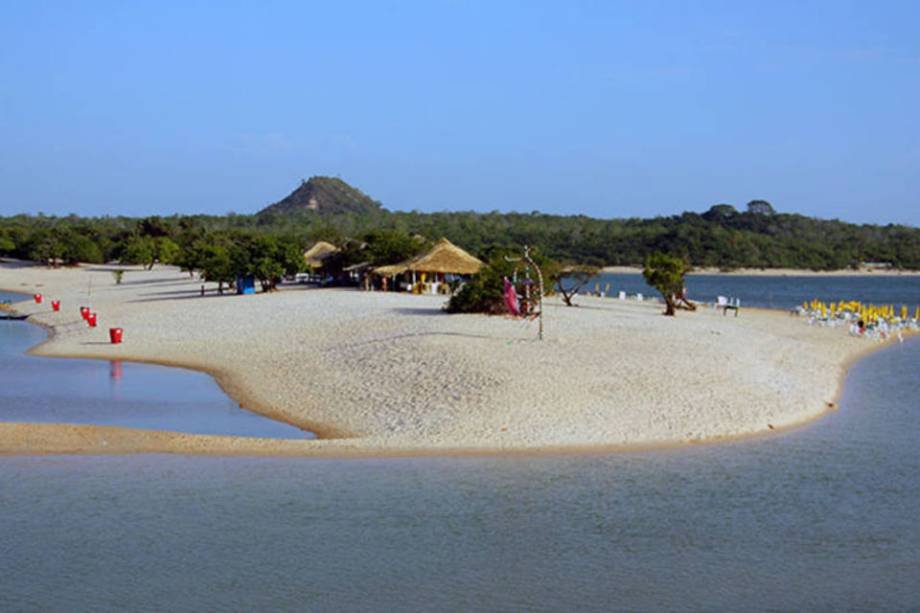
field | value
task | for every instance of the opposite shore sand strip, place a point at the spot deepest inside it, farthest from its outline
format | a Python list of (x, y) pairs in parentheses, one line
[(779, 272)]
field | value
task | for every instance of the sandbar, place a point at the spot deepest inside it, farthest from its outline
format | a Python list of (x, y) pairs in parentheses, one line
[(380, 374)]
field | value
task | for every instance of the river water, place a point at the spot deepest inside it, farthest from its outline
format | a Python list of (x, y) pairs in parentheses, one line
[(821, 518), (777, 292), (115, 393)]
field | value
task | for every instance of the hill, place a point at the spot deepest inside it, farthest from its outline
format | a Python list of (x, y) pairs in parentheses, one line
[(325, 195)]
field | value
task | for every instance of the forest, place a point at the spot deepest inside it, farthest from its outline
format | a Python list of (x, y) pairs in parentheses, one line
[(722, 237)]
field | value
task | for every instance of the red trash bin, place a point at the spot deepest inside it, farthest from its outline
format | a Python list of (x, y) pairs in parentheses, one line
[(55, 305), (38, 298), (84, 312), (91, 320), (116, 335)]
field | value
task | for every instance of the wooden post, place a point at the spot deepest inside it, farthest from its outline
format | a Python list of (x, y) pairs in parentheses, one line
[(539, 285), (530, 262)]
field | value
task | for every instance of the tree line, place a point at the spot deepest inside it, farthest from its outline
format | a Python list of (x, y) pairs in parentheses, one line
[(722, 237)]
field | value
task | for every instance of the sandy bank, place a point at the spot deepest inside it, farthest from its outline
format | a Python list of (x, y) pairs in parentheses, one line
[(390, 374)]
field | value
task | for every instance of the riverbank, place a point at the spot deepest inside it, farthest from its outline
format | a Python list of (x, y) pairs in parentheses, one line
[(390, 374), (779, 272)]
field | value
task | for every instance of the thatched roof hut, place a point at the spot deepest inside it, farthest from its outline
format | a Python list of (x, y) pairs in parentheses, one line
[(443, 258), (315, 255), (446, 258)]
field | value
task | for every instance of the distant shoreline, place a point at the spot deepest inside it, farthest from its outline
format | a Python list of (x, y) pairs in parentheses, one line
[(778, 272)]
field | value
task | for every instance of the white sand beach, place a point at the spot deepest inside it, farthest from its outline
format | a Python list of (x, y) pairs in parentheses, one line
[(386, 374)]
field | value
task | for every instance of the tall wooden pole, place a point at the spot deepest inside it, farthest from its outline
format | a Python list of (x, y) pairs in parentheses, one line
[(530, 262), (539, 285)]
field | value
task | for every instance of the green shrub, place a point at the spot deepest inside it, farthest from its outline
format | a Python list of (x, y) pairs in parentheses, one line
[(666, 274), (484, 293)]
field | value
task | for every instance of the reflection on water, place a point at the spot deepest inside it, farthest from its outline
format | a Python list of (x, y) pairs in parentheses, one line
[(822, 518), (48, 390)]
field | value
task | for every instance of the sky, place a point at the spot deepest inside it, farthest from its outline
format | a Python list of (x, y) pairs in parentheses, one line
[(608, 109)]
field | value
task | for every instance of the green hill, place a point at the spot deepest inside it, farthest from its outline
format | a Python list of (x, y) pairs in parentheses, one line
[(325, 195)]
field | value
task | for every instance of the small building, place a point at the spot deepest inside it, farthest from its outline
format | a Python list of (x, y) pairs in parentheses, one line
[(431, 271), (318, 253), (359, 274), (318, 257)]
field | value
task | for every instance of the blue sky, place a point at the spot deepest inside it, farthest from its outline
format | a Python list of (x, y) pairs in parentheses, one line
[(609, 109)]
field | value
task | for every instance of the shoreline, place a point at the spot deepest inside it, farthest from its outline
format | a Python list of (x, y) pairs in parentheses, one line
[(775, 272), (239, 395), (338, 441)]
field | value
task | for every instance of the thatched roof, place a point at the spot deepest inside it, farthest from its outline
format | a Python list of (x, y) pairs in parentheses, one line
[(445, 257), (357, 267), (391, 269), (315, 255)]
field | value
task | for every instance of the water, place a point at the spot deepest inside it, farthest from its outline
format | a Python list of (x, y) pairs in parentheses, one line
[(52, 390), (822, 518), (779, 292)]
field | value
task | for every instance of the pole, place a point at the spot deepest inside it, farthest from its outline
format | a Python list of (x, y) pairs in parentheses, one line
[(539, 285), (530, 262)]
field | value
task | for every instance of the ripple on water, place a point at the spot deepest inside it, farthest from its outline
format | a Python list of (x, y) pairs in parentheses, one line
[(819, 518)]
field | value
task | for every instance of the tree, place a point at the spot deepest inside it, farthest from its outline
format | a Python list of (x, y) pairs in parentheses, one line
[(79, 248), (47, 248), (7, 245), (138, 250), (154, 227), (215, 265), (290, 257), (266, 258), (571, 279), (265, 262), (760, 207), (390, 247), (167, 252), (720, 212), (666, 274), (269, 272), (720, 237), (192, 257)]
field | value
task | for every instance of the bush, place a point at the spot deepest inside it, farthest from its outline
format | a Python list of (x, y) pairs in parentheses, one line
[(666, 274), (484, 293)]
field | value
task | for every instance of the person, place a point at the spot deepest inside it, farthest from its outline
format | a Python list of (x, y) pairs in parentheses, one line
[(383, 283), (684, 302)]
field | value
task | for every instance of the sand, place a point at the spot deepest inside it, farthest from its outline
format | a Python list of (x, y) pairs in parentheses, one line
[(392, 374)]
